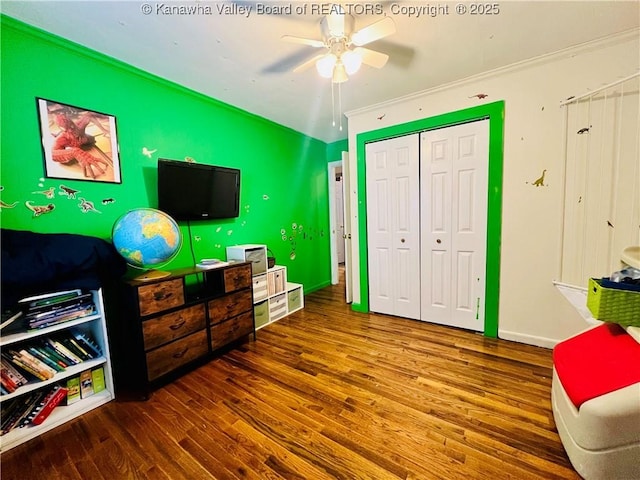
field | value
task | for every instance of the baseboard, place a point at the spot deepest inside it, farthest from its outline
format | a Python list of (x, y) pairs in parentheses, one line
[(528, 339), (316, 287), (359, 307)]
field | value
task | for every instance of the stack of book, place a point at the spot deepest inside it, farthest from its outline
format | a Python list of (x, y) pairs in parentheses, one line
[(43, 357), (53, 308), (31, 409)]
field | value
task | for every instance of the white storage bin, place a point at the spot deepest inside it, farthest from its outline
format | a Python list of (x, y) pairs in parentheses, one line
[(261, 314), (295, 297), (278, 306), (256, 254), (260, 291), (277, 280)]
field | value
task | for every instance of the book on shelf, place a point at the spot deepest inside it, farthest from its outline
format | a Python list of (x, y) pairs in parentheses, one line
[(8, 385), (87, 342), (63, 351), (32, 408), (60, 317), (11, 376), (50, 298), (63, 311), (15, 414), (47, 370), (21, 362), (52, 308), (86, 384), (83, 299), (53, 398), (44, 346), (45, 310), (8, 318), (73, 390), (73, 346), (97, 375), (42, 355)]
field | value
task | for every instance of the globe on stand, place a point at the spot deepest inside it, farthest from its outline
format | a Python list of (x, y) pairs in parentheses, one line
[(147, 239)]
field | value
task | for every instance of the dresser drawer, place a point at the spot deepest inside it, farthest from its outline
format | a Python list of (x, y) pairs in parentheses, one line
[(223, 308), (237, 278), (226, 332), (160, 296), (168, 327), (260, 288), (173, 355)]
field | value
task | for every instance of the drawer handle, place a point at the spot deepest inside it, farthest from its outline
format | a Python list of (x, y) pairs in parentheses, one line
[(178, 325), (157, 296), (180, 354)]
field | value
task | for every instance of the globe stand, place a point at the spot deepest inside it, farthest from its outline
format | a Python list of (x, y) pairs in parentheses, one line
[(151, 275)]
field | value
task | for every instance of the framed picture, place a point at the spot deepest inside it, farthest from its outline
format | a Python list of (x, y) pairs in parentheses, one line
[(78, 144)]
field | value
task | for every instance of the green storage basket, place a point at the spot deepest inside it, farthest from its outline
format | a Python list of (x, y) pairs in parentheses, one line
[(613, 304)]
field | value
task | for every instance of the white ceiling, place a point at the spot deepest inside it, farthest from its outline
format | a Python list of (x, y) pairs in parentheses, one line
[(242, 60)]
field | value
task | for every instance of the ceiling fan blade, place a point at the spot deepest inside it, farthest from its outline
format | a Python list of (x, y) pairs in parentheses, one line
[(399, 55), (308, 63), (371, 57), (287, 63), (374, 32), (303, 41)]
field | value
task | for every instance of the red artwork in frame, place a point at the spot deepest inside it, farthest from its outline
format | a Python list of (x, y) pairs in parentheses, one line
[(78, 144)]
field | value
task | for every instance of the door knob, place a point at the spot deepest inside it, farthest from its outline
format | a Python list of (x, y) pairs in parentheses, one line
[(438, 241), (402, 240)]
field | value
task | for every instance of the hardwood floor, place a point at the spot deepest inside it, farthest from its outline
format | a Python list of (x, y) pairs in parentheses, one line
[(326, 393)]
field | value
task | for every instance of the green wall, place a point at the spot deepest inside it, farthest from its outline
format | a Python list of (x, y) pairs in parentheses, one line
[(335, 149), (284, 176)]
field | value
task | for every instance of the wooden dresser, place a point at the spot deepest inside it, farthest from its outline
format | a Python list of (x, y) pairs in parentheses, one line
[(171, 325)]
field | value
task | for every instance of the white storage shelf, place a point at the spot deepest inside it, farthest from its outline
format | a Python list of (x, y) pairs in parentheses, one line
[(274, 297), (95, 324)]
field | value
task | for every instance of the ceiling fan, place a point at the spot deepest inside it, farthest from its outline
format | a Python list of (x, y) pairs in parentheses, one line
[(344, 47)]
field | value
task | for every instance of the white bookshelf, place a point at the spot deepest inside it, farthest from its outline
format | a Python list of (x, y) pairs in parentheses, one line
[(96, 326)]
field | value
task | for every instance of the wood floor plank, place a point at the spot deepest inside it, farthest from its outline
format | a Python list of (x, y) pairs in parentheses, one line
[(326, 393)]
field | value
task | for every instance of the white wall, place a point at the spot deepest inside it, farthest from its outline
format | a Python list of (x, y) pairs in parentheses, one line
[(531, 309)]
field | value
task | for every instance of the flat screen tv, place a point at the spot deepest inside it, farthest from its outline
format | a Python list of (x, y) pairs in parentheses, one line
[(194, 191)]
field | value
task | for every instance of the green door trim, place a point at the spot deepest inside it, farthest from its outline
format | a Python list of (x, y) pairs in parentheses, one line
[(495, 113)]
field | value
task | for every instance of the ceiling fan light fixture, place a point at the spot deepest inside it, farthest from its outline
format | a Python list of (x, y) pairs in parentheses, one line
[(351, 61), (326, 64), (339, 73)]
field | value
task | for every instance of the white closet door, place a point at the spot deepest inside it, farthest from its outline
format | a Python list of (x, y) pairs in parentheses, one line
[(393, 226), (454, 181)]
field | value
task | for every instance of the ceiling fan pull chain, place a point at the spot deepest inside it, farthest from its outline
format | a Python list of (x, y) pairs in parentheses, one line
[(340, 103)]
